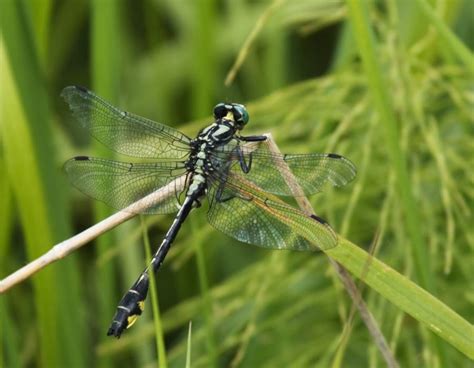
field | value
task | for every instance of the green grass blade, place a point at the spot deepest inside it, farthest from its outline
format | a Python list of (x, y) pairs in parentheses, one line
[(407, 295), (344, 48), (10, 351), (31, 204), (159, 336), (39, 188), (105, 68), (204, 63), (450, 39), (380, 94), (400, 291), (70, 17), (189, 346), (6, 212), (40, 13), (206, 296)]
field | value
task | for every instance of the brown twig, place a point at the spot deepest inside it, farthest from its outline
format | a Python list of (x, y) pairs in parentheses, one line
[(346, 279), (68, 246)]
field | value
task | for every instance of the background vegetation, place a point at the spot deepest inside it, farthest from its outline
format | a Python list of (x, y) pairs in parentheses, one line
[(388, 84)]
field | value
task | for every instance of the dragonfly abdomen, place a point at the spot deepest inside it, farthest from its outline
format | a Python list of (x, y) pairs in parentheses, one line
[(132, 303)]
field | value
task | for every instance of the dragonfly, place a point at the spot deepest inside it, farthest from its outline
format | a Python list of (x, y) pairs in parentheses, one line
[(242, 178)]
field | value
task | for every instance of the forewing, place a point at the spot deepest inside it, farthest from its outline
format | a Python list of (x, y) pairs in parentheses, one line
[(124, 132), (270, 171), (245, 213), (120, 185)]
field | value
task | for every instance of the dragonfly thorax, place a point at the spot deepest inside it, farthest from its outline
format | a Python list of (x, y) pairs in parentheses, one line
[(218, 134), (211, 137)]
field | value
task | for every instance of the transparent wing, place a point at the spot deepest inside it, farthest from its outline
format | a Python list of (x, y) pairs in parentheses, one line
[(123, 132), (247, 214), (269, 170), (120, 184)]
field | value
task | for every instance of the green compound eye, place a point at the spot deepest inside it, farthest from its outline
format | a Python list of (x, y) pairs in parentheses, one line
[(241, 115)]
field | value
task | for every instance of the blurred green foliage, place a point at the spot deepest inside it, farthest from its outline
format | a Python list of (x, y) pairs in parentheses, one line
[(397, 101)]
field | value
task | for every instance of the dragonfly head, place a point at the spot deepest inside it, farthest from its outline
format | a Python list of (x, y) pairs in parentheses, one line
[(234, 112)]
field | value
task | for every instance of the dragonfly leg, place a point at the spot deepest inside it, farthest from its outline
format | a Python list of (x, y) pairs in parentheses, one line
[(179, 195), (319, 219), (253, 138), (243, 164), (197, 203), (220, 198)]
